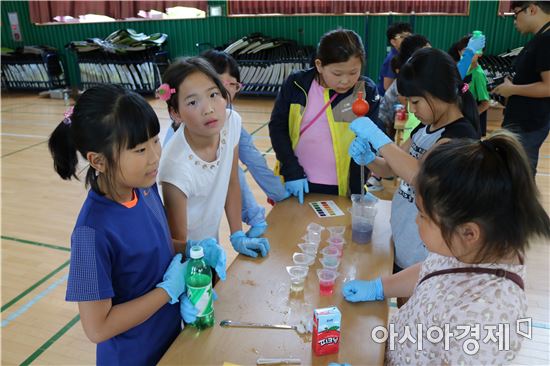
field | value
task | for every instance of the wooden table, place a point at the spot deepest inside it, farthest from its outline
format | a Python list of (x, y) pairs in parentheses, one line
[(258, 290)]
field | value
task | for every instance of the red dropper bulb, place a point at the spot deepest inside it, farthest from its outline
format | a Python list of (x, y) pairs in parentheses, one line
[(360, 107)]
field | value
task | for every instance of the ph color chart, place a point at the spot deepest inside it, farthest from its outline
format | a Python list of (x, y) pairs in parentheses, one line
[(326, 208)]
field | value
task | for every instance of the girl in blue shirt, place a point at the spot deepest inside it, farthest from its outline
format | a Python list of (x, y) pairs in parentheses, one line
[(123, 271)]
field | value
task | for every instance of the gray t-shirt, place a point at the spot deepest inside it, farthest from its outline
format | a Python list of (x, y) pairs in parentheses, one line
[(409, 248)]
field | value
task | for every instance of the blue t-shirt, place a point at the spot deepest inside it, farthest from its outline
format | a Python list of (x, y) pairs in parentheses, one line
[(122, 253), (386, 71)]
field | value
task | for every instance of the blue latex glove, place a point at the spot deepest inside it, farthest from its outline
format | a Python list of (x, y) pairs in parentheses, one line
[(249, 246), (257, 230), (297, 188), (339, 364), (214, 254), (368, 131), (188, 311), (357, 290), (360, 152), (173, 281), (476, 44)]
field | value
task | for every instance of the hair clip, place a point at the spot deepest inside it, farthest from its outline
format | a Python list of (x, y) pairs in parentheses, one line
[(464, 88), (68, 113), (164, 92)]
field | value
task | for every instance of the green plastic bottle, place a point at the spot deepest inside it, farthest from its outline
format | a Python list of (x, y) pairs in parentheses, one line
[(477, 34), (198, 278)]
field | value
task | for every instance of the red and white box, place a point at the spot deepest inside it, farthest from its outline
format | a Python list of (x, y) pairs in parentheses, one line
[(326, 330)]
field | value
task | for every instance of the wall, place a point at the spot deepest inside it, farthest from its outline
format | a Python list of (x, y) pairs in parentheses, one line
[(185, 34)]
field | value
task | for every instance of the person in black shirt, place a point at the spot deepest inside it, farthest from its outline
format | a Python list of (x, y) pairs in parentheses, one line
[(528, 107)]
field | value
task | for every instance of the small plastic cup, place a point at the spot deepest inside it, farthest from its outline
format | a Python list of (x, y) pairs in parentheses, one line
[(331, 254), (298, 276), (313, 226), (309, 248), (337, 243), (336, 231), (328, 263), (313, 237), (327, 278), (302, 259)]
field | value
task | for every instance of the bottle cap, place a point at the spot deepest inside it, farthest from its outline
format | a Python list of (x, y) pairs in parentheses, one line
[(196, 252), (477, 33)]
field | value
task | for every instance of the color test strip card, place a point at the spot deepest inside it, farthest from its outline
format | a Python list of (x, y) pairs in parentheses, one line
[(326, 208)]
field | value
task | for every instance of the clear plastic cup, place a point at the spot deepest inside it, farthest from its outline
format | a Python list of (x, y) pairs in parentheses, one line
[(331, 254), (309, 248), (327, 278), (302, 259), (336, 231), (337, 243), (298, 276), (313, 237), (363, 213), (328, 263), (313, 226)]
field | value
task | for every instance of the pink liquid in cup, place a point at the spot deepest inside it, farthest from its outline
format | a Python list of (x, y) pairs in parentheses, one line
[(326, 287), (327, 278)]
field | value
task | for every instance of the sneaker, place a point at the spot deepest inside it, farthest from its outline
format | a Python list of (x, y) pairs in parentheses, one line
[(374, 184)]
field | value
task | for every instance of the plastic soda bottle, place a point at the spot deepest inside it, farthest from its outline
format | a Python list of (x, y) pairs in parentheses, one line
[(198, 278), (477, 34)]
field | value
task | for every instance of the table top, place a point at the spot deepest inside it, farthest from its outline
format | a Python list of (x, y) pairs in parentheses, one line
[(258, 290)]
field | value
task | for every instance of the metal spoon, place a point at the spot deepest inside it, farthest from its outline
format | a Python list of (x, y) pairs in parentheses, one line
[(232, 323), (237, 324)]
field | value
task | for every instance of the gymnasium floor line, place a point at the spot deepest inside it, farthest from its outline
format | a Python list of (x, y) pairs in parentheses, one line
[(50, 341), (30, 242), (259, 128), (23, 309), (23, 149), (23, 135), (34, 286)]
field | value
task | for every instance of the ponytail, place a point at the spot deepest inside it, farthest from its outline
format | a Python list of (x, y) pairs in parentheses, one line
[(498, 193), (468, 107), (63, 151), (528, 213)]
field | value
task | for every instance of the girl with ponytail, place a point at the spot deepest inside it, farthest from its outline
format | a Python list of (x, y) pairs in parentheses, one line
[(123, 271), (478, 211), (441, 101)]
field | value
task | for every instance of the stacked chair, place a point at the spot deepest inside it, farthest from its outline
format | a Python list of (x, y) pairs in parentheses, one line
[(133, 60), (33, 68), (266, 62), (497, 68)]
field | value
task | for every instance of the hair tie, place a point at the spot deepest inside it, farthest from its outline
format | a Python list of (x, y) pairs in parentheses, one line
[(68, 114), (488, 145), (164, 92), (464, 88)]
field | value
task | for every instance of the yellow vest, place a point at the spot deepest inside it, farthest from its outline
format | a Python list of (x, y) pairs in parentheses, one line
[(339, 120)]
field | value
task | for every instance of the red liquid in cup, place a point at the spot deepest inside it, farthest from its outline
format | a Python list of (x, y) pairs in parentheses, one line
[(326, 287)]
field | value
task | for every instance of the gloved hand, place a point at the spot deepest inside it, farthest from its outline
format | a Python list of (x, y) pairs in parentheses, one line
[(249, 246), (188, 311), (368, 131), (360, 152), (358, 290), (339, 364), (173, 281), (476, 44), (257, 230), (297, 188), (214, 254)]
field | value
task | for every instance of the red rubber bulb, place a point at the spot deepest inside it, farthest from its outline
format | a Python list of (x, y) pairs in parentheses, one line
[(360, 107)]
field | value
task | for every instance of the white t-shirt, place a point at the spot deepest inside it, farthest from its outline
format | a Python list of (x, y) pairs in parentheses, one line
[(204, 183), (469, 310)]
